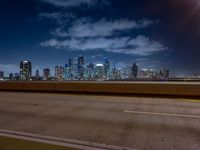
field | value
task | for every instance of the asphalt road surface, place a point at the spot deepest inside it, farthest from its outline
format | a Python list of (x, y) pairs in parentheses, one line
[(134, 122)]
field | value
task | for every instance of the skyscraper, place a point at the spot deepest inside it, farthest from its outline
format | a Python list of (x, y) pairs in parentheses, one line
[(81, 67), (46, 74), (106, 68), (164, 73), (62, 73), (1, 74), (126, 72), (25, 70), (99, 71), (59, 72), (134, 71), (90, 72), (69, 70), (116, 74)]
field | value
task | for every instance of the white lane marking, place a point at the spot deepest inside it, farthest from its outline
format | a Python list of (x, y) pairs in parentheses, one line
[(161, 114), (60, 141)]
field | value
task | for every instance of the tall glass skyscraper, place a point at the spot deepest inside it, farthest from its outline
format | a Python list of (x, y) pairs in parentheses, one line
[(106, 68), (25, 70), (80, 67), (134, 71)]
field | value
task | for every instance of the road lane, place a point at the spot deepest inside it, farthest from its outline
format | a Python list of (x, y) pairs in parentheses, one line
[(53, 141), (101, 119)]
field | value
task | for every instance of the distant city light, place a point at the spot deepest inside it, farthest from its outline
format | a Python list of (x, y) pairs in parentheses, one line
[(99, 65), (78, 69)]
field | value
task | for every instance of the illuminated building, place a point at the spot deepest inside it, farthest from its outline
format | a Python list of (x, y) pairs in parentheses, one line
[(126, 72), (147, 73), (80, 67), (116, 74), (59, 72), (107, 68), (90, 73), (25, 70), (99, 72)]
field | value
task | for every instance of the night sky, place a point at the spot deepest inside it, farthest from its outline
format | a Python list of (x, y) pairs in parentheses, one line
[(152, 33)]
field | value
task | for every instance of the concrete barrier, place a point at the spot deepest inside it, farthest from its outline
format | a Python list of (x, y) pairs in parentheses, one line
[(139, 88), (27, 86)]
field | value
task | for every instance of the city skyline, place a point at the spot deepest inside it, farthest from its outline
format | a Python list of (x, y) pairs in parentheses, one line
[(87, 61), (79, 68), (153, 34)]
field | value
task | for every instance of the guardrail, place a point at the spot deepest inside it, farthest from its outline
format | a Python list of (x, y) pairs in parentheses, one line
[(131, 88)]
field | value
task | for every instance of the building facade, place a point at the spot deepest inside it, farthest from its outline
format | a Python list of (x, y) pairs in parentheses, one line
[(25, 70), (59, 72), (134, 71)]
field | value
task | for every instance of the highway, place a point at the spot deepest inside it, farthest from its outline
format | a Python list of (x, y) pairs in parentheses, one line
[(134, 122)]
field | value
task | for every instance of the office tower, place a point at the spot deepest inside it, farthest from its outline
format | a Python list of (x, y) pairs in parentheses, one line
[(59, 72), (164, 73), (46, 73), (99, 72), (167, 73), (90, 72), (68, 73), (25, 70), (134, 71), (1, 74), (62, 72), (116, 74), (69, 70), (81, 67), (106, 68), (126, 72), (147, 73), (75, 72)]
